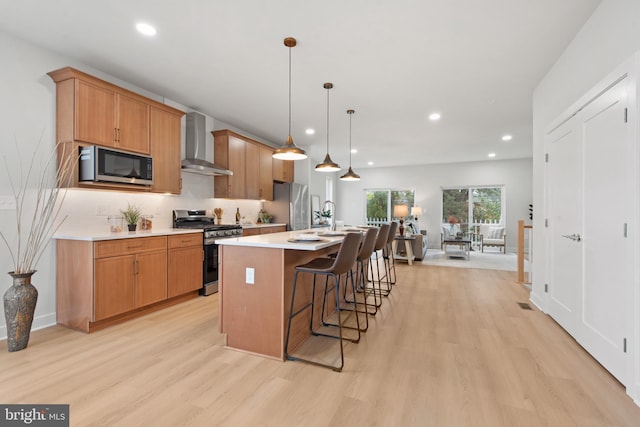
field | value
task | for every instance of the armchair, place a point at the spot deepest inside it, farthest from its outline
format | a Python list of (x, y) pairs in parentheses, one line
[(493, 235)]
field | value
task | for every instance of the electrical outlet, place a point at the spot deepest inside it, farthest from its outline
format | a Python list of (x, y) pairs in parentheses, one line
[(250, 276), (102, 210), (7, 203)]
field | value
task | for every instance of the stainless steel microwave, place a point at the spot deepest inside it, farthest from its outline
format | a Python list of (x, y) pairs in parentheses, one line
[(101, 164)]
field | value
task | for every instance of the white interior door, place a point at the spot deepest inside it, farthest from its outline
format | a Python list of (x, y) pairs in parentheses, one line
[(591, 196), (608, 190), (564, 169)]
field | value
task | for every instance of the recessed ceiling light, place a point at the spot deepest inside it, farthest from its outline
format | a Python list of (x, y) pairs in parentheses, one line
[(310, 131), (146, 29), (354, 150), (434, 117), (491, 155), (507, 138), (370, 163)]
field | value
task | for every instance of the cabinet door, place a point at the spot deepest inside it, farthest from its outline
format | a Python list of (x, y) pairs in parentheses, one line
[(151, 278), (266, 174), (185, 270), (237, 166), (95, 115), (282, 170), (165, 134), (252, 171), (250, 232), (133, 124), (113, 286)]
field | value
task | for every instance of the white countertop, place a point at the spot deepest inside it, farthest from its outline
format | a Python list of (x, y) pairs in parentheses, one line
[(283, 240), (124, 235)]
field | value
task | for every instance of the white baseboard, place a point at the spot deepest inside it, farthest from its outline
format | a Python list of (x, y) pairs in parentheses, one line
[(39, 322)]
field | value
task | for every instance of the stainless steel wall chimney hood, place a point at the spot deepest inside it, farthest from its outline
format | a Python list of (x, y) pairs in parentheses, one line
[(195, 149)]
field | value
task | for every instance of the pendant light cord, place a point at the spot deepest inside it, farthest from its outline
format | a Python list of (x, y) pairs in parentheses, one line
[(328, 120), (289, 91), (350, 139)]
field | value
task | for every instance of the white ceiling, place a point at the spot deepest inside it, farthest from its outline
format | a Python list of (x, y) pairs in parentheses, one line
[(392, 61)]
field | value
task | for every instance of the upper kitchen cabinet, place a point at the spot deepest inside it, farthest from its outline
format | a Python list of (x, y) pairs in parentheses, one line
[(165, 150), (250, 162), (97, 112), (229, 152), (282, 170), (91, 111)]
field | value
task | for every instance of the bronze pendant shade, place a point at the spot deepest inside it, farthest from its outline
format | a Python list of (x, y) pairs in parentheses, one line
[(350, 175), (327, 165), (290, 151)]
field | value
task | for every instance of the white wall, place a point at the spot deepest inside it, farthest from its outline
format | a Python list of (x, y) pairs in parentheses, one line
[(27, 109), (428, 180), (607, 39)]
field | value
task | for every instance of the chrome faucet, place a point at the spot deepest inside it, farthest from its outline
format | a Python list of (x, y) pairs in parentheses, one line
[(333, 213)]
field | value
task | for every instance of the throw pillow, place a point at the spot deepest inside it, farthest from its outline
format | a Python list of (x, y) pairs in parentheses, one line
[(496, 232)]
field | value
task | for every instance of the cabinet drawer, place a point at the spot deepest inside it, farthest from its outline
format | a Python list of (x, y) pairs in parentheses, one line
[(129, 246), (184, 240)]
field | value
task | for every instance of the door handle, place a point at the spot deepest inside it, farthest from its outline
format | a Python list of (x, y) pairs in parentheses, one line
[(574, 237)]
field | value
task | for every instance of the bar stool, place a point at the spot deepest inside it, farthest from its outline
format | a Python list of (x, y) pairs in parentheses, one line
[(362, 267), (335, 268), (387, 252), (377, 278)]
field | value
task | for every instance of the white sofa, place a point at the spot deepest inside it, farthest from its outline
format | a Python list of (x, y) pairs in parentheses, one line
[(493, 235)]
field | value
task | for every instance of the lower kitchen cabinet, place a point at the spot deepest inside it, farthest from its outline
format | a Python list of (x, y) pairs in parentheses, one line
[(185, 264), (99, 283), (263, 229)]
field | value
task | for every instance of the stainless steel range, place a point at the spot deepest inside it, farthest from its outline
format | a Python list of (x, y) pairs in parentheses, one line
[(198, 219)]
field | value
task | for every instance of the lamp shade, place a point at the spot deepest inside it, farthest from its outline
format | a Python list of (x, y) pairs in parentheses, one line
[(416, 211), (400, 211)]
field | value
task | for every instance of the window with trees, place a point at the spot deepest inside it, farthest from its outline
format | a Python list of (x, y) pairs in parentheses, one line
[(380, 203), (470, 206)]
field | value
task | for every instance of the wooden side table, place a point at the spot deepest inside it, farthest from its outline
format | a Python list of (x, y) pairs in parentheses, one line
[(408, 246)]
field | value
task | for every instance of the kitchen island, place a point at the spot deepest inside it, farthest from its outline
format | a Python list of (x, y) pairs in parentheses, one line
[(256, 279)]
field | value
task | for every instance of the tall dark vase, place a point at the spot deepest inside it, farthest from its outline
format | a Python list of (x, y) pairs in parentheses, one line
[(19, 308)]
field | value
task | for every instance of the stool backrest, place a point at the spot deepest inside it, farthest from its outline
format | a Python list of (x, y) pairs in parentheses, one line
[(369, 242), (347, 253), (383, 234), (392, 232)]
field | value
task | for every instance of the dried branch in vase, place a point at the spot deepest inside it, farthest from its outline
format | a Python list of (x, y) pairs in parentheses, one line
[(36, 191)]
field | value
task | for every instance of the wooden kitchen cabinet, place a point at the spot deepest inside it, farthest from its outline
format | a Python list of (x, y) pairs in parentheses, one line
[(263, 229), (105, 282), (266, 173), (229, 152), (100, 113), (129, 273), (91, 111), (185, 264), (250, 162), (165, 150), (283, 170)]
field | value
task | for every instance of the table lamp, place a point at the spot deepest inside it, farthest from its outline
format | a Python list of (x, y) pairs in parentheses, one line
[(416, 211), (400, 212)]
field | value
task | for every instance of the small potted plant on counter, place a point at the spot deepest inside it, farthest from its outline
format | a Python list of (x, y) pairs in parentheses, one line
[(131, 215)]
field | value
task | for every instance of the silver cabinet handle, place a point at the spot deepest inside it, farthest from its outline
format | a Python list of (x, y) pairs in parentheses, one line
[(574, 237)]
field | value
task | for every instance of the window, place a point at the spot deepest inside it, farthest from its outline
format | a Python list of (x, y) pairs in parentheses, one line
[(380, 202), (470, 206)]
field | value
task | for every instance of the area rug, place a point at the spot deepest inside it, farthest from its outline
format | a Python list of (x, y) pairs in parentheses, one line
[(486, 260)]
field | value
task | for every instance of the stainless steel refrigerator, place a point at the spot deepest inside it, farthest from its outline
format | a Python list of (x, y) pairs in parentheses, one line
[(291, 205)]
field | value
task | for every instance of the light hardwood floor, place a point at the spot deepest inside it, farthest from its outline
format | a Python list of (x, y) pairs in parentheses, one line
[(450, 347)]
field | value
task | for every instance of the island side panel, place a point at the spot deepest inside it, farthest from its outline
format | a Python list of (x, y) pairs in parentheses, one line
[(251, 314), (74, 283), (300, 324)]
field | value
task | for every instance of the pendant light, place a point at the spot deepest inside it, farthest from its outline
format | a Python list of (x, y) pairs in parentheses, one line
[(327, 165), (290, 151), (350, 175)]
